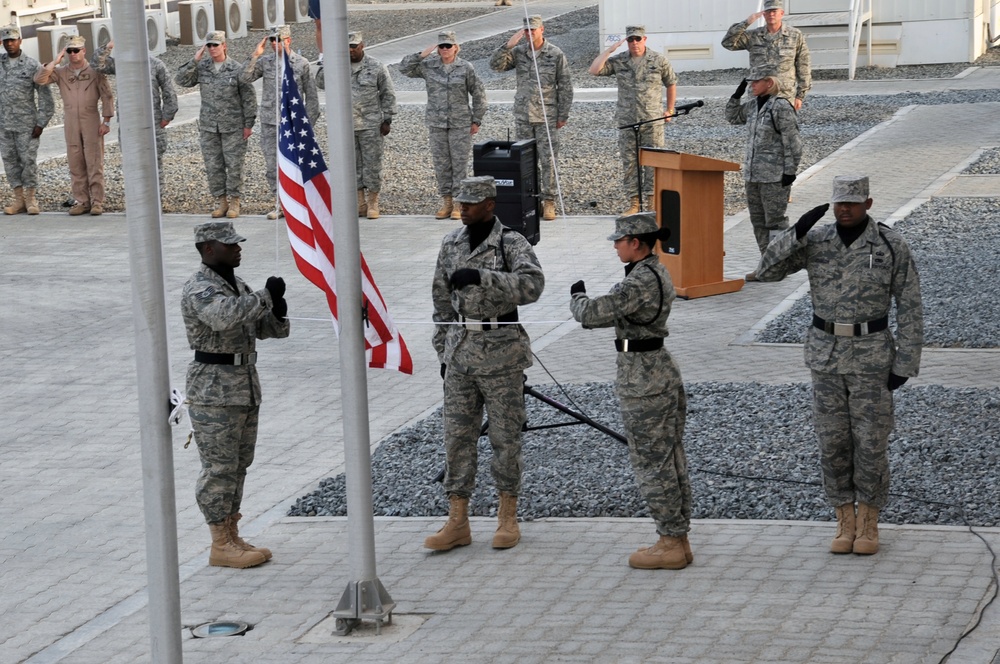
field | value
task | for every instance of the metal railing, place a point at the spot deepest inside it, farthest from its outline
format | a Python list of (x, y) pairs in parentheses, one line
[(861, 11)]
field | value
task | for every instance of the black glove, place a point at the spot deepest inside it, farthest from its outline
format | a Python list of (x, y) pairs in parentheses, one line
[(809, 219), (895, 382), (280, 308), (787, 180), (465, 276), (740, 90), (578, 287), (444, 367), (276, 287)]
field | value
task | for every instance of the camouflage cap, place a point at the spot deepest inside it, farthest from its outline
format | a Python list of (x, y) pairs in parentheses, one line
[(281, 32), (640, 223), (533, 22), (222, 231), (447, 37), (773, 4), (217, 37), (477, 189), (635, 31), (10, 32), (850, 189), (76, 41), (354, 38), (762, 71)]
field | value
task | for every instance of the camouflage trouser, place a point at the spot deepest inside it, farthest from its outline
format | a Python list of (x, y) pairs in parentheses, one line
[(223, 153), (161, 147), (450, 152), (767, 202), (546, 157), (854, 417), (19, 152), (650, 135), (654, 426), (226, 437), (269, 146), (368, 145), (464, 398)]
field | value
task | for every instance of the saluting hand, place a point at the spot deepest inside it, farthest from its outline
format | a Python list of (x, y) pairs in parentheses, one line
[(809, 219), (740, 89), (512, 42), (259, 51), (578, 287), (200, 52)]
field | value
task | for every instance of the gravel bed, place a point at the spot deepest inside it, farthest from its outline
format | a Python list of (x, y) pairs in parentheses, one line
[(752, 430), (948, 236), (987, 164)]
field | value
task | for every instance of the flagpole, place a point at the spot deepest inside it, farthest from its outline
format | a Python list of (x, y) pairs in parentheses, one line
[(364, 598)]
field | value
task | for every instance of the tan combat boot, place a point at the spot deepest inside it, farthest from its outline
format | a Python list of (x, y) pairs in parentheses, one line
[(650, 203), (97, 209), (667, 553), (30, 201), (234, 208), (548, 210), (225, 553), (372, 205), (221, 209), (362, 204), (844, 541), (633, 206), (866, 534), (234, 534), (456, 531), (447, 207), (79, 208), (276, 214), (17, 207), (508, 534), (688, 554)]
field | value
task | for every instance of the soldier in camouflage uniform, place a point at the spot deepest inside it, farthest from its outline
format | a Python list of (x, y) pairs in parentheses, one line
[(856, 268), (773, 152), (649, 385), (451, 124), (484, 272), (374, 101), (775, 44), (642, 75), (266, 67), (228, 111), (164, 96), (25, 108), (223, 318), (538, 113)]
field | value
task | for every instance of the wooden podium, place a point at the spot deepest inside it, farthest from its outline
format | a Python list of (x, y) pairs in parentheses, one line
[(689, 201)]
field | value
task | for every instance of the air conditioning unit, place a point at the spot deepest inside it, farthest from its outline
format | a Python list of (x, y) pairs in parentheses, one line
[(156, 32), (231, 17), (197, 19), (52, 39), (97, 32), (264, 14), (297, 11)]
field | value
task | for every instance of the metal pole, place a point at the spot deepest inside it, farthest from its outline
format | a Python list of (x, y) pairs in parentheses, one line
[(138, 146), (364, 596)]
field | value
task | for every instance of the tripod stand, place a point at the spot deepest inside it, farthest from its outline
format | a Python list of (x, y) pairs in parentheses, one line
[(680, 110)]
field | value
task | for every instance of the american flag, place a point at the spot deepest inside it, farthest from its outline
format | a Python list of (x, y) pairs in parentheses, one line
[(304, 191)]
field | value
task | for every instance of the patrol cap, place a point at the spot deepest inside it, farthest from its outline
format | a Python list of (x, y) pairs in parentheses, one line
[(447, 37), (477, 189), (533, 22), (10, 32), (773, 4), (76, 41), (762, 71), (221, 231), (640, 223), (281, 32), (354, 38), (850, 189), (635, 31), (217, 37)]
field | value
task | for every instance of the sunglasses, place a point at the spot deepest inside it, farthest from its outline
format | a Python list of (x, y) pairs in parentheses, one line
[(73, 50), (446, 46), (634, 39), (272, 39)]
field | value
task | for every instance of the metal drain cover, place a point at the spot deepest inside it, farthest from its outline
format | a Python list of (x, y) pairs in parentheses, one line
[(220, 629)]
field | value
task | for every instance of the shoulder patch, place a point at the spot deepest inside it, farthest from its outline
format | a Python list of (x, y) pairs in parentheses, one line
[(207, 293)]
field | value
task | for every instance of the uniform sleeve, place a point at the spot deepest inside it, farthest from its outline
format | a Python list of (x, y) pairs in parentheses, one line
[(803, 68), (602, 311), (269, 327), (503, 59), (444, 312), (248, 97), (791, 142), (107, 98), (170, 107), (669, 76), (524, 282), (564, 83), (221, 312), (252, 70), (478, 93), (44, 77), (307, 86), (46, 105), (785, 255), (736, 111), (736, 38), (411, 66), (103, 62), (386, 94), (187, 75), (608, 68), (909, 313)]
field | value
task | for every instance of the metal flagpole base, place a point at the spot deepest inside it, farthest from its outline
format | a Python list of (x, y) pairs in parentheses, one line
[(363, 600)]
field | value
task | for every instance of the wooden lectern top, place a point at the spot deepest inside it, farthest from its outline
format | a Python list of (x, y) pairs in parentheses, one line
[(680, 161)]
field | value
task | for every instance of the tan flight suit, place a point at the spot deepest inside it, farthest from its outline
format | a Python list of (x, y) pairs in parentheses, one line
[(80, 90)]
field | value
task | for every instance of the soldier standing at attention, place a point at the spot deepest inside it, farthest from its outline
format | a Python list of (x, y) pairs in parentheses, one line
[(775, 44), (228, 111), (451, 124), (374, 101), (856, 267), (649, 385), (642, 75), (223, 318), (81, 88), (266, 67), (25, 108), (538, 114), (484, 272)]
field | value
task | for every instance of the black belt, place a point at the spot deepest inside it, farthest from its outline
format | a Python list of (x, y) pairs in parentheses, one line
[(638, 345), (238, 359), (489, 323), (850, 329)]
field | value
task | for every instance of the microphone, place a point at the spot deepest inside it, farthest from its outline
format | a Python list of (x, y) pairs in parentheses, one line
[(684, 108)]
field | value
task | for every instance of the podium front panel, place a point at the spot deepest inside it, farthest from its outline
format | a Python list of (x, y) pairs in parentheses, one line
[(670, 218)]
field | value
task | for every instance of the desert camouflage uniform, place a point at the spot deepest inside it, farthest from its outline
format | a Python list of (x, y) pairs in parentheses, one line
[(24, 105), (773, 149), (530, 117), (786, 49), (224, 399), (649, 387), (374, 101), (228, 106), (852, 404), (485, 367), (449, 118), (266, 67), (641, 82)]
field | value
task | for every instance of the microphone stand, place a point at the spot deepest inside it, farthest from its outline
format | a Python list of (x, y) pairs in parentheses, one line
[(635, 131)]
